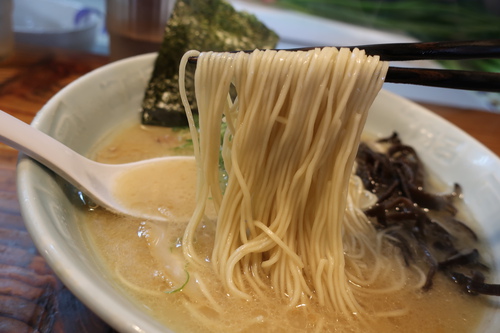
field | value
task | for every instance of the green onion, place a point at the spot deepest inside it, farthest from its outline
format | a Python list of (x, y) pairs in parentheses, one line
[(181, 287)]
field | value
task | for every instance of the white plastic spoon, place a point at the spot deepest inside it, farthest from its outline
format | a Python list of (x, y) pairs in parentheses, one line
[(97, 180)]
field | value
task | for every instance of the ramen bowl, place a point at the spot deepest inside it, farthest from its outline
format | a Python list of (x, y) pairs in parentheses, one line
[(92, 106)]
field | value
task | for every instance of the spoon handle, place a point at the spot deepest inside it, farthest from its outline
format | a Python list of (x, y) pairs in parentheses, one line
[(41, 147)]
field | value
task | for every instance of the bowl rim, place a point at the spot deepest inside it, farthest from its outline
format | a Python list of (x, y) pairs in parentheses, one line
[(83, 286)]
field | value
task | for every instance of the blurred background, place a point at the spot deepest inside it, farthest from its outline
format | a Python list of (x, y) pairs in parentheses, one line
[(298, 23)]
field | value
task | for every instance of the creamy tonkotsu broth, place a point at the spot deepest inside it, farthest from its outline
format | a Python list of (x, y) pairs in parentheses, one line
[(121, 245)]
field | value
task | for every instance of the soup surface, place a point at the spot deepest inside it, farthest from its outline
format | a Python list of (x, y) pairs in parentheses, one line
[(123, 247)]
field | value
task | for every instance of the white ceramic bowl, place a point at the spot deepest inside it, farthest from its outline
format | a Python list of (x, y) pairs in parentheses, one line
[(91, 106), (61, 24)]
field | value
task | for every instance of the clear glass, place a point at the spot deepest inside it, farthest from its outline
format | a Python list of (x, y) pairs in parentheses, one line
[(136, 26), (6, 33)]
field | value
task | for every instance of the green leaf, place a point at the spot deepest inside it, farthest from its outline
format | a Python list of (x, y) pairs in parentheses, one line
[(181, 287)]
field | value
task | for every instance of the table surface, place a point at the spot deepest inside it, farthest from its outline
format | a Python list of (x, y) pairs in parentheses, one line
[(31, 296)]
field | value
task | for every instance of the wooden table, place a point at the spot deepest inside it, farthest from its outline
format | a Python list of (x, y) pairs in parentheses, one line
[(27, 80)]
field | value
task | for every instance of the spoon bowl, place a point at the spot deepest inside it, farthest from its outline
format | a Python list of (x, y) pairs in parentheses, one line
[(96, 180)]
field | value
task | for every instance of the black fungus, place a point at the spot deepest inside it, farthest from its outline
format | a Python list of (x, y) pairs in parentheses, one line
[(421, 224)]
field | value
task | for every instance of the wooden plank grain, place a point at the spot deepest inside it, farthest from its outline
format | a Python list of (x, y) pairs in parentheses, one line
[(32, 75), (8, 157)]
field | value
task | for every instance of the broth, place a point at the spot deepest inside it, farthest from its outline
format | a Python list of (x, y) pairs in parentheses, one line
[(121, 246)]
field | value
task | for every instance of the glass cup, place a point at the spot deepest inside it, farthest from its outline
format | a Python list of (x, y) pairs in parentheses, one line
[(6, 32), (136, 26)]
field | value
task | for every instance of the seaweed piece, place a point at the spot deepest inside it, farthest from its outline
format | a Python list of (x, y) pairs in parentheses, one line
[(204, 25)]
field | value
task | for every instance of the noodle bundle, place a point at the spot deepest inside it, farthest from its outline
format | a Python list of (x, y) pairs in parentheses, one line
[(289, 217)]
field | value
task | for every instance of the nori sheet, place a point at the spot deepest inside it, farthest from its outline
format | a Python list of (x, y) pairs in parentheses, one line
[(204, 25)]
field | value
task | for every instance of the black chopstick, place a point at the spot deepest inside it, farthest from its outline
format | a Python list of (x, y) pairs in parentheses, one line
[(448, 50), (453, 79), (451, 50)]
